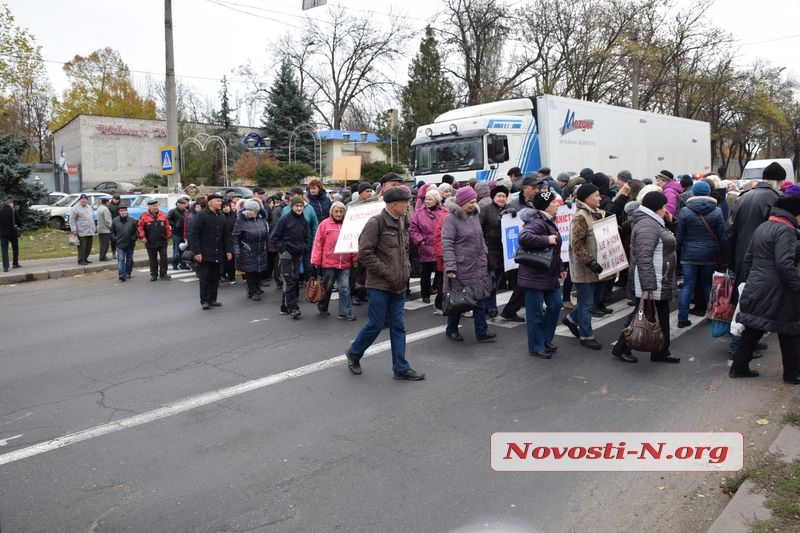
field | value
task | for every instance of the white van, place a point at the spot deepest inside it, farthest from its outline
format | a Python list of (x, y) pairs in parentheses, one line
[(753, 169)]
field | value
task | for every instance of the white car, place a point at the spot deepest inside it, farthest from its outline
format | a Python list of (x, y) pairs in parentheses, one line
[(59, 211)]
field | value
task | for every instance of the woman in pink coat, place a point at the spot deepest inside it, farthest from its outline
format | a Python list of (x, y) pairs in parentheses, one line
[(334, 267), (422, 229)]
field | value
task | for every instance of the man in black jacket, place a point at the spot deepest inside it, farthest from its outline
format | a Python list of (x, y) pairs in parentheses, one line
[(176, 217), (9, 233), (124, 233), (210, 245), (289, 238)]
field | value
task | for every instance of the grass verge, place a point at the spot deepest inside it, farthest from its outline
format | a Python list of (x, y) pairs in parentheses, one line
[(44, 244)]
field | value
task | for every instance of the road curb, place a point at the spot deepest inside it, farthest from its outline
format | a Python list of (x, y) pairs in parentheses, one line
[(747, 505), (63, 272)]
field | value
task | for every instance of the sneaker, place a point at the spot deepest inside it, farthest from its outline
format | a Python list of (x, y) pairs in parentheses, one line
[(349, 318), (513, 318), (127, 276), (284, 311), (356, 301), (492, 314), (438, 312), (205, 306), (215, 304), (255, 297), (295, 313), (573, 328), (233, 282), (409, 375), (353, 365), (323, 312)]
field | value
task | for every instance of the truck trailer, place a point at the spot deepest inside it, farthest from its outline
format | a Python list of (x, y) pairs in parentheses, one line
[(485, 141)]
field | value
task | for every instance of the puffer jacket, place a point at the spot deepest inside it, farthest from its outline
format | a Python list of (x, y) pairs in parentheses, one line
[(321, 204), (124, 232), (422, 229), (383, 250), (582, 242), (154, 229), (324, 245), (492, 234), (652, 259), (249, 241), (698, 246), (290, 233), (464, 250), (81, 220), (672, 191), (312, 222), (771, 298), (535, 235)]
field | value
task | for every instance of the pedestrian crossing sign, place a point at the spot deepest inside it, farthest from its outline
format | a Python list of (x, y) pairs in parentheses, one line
[(167, 160)]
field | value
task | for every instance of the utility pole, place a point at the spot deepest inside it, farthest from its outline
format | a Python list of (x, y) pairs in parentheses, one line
[(173, 180)]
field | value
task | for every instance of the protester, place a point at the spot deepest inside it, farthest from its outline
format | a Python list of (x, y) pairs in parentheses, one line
[(318, 199), (289, 239), (9, 234), (490, 225), (155, 232), (422, 229), (671, 188), (124, 233), (81, 224), (210, 245), (104, 220), (177, 218), (249, 240), (334, 267), (227, 270)]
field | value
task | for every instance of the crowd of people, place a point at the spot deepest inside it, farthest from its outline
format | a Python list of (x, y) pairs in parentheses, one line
[(671, 228)]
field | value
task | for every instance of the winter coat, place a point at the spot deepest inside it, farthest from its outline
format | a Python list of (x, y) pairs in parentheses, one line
[(437, 242), (464, 250), (535, 236), (176, 218), (492, 234), (114, 208), (421, 230), (249, 243), (104, 219), (124, 232), (290, 234), (154, 229), (582, 243), (672, 190), (312, 221), (383, 251), (698, 246), (324, 245), (652, 260), (321, 204), (81, 220), (771, 298), (520, 203), (207, 236), (9, 222), (750, 210)]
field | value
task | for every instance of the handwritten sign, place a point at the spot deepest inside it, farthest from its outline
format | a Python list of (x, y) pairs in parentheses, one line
[(610, 253), (510, 227), (354, 221), (564, 217)]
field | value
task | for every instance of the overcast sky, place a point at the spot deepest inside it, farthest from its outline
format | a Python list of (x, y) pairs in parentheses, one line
[(213, 37)]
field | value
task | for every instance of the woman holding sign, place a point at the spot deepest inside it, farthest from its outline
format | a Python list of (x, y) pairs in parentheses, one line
[(542, 287), (652, 268)]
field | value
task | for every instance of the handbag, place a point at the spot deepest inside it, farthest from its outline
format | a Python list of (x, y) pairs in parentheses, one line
[(720, 306), (643, 334), (315, 292), (460, 301), (541, 259)]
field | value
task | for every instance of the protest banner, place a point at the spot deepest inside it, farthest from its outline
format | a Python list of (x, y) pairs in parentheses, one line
[(564, 217), (610, 253), (354, 220), (509, 235)]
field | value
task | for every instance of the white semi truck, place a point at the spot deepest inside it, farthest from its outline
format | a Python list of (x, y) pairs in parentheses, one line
[(485, 141)]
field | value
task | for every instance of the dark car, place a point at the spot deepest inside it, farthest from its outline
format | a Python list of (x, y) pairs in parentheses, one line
[(242, 192), (121, 187)]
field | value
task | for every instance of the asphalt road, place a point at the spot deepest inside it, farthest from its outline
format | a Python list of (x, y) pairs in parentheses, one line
[(122, 409)]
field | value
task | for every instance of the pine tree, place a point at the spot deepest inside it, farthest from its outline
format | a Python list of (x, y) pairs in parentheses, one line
[(13, 184), (228, 132), (287, 108), (428, 93)]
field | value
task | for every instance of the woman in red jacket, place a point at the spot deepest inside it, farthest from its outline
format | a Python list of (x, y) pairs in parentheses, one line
[(334, 267)]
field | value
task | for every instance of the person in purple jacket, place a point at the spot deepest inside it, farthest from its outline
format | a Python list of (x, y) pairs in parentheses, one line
[(422, 228), (672, 190)]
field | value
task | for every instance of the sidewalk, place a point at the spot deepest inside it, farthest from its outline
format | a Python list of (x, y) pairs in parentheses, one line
[(62, 267)]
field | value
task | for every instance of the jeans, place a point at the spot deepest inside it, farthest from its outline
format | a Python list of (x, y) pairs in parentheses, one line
[(542, 309), (158, 261), (691, 275), (14, 250), (383, 304), (582, 313), (125, 261), (342, 279), (478, 315), (290, 272), (176, 251)]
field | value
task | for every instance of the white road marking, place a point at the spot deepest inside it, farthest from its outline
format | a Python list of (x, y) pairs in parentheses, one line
[(4, 442), (197, 401)]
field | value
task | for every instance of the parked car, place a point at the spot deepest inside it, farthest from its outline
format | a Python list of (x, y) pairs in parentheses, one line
[(121, 187), (165, 203), (242, 192), (59, 211), (54, 197)]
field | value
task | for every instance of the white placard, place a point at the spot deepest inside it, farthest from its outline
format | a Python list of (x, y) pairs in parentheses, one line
[(610, 253), (510, 228), (354, 221), (564, 217)]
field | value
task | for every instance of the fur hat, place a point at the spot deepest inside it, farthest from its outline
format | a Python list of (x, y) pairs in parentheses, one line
[(701, 188), (252, 205), (497, 189), (585, 191), (397, 194), (790, 204), (587, 174), (542, 200), (465, 195), (654, 201), (774, 172)]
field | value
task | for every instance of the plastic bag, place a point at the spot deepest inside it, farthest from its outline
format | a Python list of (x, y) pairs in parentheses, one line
[(720, 306), (737, 328), (72, 240)]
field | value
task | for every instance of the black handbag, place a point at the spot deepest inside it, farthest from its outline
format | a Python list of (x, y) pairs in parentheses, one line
[(460, 301), (541, 259)]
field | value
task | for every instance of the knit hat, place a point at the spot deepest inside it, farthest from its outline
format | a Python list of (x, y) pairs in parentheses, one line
[(296, 199), (587, 174), (497, 189), (563, 177), (465, 195), (83, 197), (625, 175), (542, 200), (252, 205), (665, 175), (686, 181), (790, 204), (701, 188), (601, 181), (774, 172), (391, 176), (585, 191), (654, 201), (364, 186), (397, 194), (792, 190), (433, 192)]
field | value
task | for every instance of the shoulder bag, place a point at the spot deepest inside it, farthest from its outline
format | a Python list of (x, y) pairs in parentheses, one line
[(644, 334), (541, 259), (457, 302)]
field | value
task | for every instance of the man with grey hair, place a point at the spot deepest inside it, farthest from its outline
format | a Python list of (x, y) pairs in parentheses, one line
[(81, 224)]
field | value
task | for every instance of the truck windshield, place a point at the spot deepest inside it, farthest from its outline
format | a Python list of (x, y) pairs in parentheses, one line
[(449, 156)]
